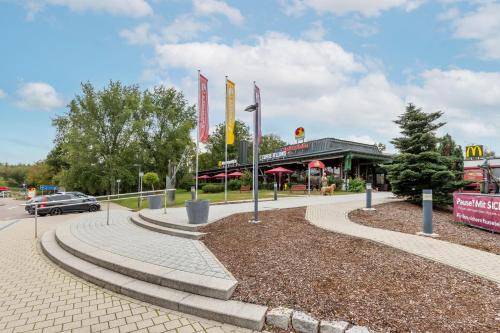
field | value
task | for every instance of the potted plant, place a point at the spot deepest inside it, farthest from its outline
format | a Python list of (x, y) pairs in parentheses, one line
[(152, 179), (197, 210)]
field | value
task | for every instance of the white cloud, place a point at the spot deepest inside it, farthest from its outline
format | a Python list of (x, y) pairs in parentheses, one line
[(38, 96), (133, 8), (360, 27), (182, 28), (483, 26), (361, 139), (342, 7), (210, 7), (321, 84), (470, 100), (316, 32), (3, 94)]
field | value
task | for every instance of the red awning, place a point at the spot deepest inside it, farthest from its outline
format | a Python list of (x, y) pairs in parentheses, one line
[(316, 164), (278, 170)]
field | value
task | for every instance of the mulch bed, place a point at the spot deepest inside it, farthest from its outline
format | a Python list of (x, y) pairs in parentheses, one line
[(286, 261), (406, 217)]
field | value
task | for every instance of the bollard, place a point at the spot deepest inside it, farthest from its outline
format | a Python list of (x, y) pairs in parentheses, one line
[(368, 197), (193, 193), (275, 191), (36, 220), (427, 207), (427, 214), (107, 217)]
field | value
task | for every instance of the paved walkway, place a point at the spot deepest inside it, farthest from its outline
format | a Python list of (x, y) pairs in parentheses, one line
[(38, 296), (334, 218), (126, 239)]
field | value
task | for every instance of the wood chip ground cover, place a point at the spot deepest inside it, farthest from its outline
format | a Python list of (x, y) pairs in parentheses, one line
[(286, 261), (406, 217)]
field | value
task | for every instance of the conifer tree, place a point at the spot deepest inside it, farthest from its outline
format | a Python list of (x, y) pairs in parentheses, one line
[(424, 160)]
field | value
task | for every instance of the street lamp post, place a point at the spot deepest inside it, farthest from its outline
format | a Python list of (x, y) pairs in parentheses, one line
[(118, 181), (253, 108)]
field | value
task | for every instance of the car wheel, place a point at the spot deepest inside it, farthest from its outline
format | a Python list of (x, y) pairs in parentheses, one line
[(43, 214), (92, 208), (56, 211)]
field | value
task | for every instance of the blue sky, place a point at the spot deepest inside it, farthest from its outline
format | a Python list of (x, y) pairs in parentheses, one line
[(342, 69)]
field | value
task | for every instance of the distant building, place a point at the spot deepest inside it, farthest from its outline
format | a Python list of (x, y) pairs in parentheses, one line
[(343, 159)]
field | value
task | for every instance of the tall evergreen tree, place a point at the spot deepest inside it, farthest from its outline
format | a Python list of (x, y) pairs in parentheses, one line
[(425, 161)]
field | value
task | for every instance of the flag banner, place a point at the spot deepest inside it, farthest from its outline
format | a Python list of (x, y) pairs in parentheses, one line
[(203, 109), (230, 107), (257, 101)]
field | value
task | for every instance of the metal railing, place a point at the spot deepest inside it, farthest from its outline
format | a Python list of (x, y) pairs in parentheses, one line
[(50, 205)]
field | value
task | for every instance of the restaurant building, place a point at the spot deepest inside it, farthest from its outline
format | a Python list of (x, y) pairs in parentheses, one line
[(342, 159)]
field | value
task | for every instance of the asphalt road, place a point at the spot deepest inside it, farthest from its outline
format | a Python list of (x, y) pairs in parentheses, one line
[(10, 209)]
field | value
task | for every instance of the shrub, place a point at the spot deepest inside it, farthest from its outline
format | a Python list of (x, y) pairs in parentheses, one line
[(337, 181), (186, 182), (357, 185), (246, 178), (234, 185), (151, 179), (213, 188)]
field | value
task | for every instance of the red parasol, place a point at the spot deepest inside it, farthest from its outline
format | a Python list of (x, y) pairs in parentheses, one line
[(235, 174), (203, 177), (316, 164), (219, 175), (278, 170), (4, 188)]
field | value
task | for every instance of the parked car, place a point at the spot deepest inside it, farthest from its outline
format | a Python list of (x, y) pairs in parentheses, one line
[(57, 204)]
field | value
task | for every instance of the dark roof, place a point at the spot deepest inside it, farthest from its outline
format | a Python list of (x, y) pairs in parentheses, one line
[(318, 149)]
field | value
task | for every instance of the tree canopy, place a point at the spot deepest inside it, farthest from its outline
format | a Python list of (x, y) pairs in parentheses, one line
[(106, 133), (424, 160)]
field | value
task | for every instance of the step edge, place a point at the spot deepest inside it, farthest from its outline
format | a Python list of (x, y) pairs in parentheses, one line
[(240, 318)]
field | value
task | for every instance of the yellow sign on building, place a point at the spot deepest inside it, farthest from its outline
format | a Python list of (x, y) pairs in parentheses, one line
[(475, 151)]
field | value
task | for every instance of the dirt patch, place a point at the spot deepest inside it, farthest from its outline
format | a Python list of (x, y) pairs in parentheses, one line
[(406, 217), (287, 261)]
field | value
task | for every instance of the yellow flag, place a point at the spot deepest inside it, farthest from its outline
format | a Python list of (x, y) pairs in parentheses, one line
[(230, 107)]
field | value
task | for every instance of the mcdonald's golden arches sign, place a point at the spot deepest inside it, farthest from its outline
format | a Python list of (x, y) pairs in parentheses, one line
[(474, 151)]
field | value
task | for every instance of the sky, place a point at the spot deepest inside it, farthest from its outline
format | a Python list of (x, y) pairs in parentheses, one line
[(338, 68)]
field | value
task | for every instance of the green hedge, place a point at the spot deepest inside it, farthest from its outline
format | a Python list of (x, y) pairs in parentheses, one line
[(234, 185), (213, 188), (357, 185)]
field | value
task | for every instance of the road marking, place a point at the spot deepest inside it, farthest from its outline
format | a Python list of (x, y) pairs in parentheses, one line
[(8, 224)]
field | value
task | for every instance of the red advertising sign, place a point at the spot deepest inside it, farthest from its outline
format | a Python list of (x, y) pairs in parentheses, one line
[(203, 106), (482, 211)]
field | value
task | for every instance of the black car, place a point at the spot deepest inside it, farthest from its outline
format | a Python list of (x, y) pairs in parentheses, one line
[(57, 204)]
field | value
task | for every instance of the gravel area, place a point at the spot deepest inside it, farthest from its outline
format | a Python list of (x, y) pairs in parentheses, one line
[(406, 217), (287, 261)]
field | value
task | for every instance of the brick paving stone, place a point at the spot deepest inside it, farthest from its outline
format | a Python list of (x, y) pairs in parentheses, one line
[(51, 299)]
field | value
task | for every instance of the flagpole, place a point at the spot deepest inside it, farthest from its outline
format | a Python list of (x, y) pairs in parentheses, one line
[(197, 138), (225, 154)]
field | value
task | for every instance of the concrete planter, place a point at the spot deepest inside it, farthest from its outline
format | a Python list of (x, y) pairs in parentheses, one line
[(197, 211), (154, 201)]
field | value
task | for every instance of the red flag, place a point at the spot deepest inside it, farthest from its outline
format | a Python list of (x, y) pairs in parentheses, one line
[(203, 109), (257, 101)]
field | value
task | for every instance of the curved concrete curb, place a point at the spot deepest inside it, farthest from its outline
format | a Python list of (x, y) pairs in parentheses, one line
[(139, 221), (148, 216), (241, 314), (160, 275)]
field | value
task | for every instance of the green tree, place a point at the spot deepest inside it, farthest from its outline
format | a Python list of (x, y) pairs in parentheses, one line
[(270, 143), (216, 143), (39, 174), (164, 123), (151, 179), (419, 164), (3, 182), (97, 137)]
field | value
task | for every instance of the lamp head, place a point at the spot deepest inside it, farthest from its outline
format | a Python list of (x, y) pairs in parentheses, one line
[(251, 108)]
